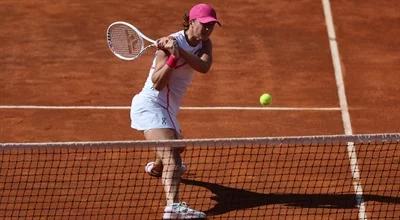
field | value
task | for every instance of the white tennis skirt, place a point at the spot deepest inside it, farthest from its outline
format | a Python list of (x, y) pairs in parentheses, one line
[(147, 114)]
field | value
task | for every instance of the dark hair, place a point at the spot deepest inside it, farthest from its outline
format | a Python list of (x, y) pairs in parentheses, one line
[(186, 21)]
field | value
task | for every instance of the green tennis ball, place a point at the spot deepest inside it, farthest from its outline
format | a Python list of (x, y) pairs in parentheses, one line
[(265, 99)]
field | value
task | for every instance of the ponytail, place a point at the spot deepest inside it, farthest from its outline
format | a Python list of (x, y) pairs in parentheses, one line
[(185, 21)]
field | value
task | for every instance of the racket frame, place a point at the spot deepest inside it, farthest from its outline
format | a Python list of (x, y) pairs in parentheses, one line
[(141, 37)]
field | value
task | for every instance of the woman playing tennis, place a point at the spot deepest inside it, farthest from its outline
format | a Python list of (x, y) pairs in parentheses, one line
[(154, 110)]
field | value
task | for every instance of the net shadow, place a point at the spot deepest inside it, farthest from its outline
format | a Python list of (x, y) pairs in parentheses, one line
[(231, 199)]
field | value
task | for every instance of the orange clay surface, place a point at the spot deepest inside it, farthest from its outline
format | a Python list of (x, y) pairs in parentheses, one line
[(55, 54)]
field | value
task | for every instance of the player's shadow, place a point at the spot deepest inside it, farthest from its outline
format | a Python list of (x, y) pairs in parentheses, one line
[(229, 199)]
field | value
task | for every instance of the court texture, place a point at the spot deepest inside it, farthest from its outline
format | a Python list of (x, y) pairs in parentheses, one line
[(332, 68)]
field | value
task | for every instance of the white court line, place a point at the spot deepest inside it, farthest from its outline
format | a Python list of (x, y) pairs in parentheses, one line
[(182, 108), (351, 150)]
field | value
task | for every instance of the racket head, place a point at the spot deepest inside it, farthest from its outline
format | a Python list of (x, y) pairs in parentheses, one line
[(125, 40)]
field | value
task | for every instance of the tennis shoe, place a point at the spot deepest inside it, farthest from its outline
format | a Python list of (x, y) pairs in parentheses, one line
[(149, 168), (181, 211)]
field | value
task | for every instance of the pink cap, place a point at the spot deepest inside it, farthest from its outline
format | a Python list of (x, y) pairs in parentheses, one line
[(204, 13)]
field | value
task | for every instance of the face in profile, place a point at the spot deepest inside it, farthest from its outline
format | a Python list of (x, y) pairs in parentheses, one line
[(202, 31)]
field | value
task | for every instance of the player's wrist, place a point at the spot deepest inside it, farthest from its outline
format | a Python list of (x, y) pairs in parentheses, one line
[(172, 60)]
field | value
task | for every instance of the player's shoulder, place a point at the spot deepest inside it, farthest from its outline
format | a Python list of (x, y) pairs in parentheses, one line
[(207, 43), (178, 34), (180, 38)]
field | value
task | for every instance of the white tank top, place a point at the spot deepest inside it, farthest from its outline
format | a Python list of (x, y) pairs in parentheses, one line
[(170, 96)]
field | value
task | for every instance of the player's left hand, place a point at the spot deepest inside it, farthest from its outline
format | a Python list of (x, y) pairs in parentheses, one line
[(161, 42), (170, 44)]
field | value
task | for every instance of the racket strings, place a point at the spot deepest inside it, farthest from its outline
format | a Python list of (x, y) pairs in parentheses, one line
[(124, 41)]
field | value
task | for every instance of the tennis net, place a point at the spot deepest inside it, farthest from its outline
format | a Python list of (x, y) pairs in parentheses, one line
[(311, 177)]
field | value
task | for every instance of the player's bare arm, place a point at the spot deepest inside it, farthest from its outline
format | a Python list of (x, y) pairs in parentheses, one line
[(201, 63), (161, 75)]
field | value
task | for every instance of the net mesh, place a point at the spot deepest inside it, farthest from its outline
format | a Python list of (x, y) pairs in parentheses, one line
[(124, 41), (245, 178)]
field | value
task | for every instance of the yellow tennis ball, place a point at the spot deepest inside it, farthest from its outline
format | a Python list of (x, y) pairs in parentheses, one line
[(265, 99)]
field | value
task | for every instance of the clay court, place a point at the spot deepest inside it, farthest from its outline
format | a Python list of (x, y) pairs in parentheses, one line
[(59, 81)]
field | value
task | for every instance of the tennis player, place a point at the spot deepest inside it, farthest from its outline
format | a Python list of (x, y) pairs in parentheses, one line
[(154, 110)]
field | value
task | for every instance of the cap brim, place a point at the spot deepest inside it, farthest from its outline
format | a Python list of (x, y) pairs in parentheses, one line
[(205, 20)]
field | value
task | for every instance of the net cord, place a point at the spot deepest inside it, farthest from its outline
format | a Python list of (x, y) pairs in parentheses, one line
[(266, 141)]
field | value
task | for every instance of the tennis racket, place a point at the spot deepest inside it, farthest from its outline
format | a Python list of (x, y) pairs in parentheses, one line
[(126, 41)]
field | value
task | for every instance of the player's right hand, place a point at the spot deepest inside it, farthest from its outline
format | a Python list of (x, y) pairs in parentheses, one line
[(161, 43), (172, 46), (168, 44)]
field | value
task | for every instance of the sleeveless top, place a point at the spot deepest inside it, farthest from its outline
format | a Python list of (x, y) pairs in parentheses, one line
[(171, 95)]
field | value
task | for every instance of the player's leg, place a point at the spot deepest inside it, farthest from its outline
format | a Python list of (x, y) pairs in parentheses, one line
[(171, 176), (170, 162), (155, 168)]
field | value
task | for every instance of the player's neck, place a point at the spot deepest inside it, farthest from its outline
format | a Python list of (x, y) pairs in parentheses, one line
[(192, 41)]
